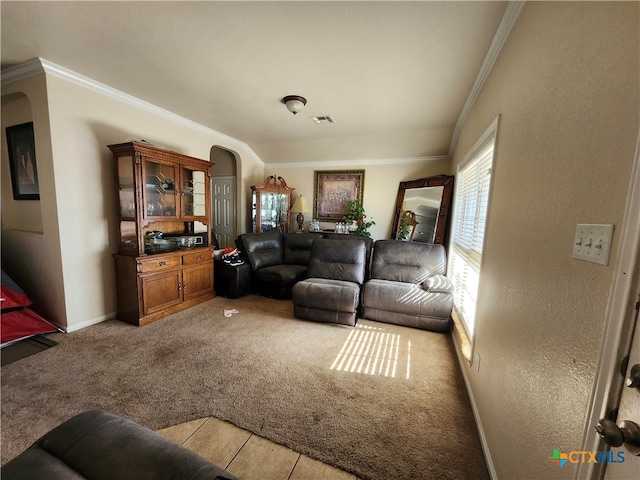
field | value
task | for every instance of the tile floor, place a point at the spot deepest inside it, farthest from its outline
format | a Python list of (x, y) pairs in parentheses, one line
[(248, 456)]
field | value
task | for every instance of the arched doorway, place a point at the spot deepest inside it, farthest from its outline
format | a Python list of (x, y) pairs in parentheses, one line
[(224, 188)]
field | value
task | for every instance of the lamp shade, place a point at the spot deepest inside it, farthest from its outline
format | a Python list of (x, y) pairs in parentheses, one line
[(300, 205)]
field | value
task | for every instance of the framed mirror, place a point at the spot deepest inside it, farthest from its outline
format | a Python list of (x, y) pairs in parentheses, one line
[(422, 210)]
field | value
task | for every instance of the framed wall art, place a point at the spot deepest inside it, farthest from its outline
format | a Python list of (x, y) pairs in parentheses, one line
[(22, 162), (334, 190)]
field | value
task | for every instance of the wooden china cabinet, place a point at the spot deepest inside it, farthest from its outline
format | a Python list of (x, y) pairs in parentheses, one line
[(270, 204), (164, 260)]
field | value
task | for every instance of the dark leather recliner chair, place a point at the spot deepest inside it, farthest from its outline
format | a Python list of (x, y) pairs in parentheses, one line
[(407, 285), (278, 260), (97, 445), (331, 292)]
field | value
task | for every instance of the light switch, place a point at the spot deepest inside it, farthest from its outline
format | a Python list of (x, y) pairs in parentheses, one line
[(593, 243)]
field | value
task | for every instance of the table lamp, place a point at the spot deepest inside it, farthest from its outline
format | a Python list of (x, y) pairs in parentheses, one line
[(300, 206)]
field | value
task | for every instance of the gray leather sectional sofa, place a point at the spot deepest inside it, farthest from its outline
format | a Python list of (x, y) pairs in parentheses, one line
[(403, 282), (280, 260)]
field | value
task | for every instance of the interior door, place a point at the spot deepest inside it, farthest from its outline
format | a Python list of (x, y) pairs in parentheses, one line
[(613, 401), (628, 411), (223, 210)]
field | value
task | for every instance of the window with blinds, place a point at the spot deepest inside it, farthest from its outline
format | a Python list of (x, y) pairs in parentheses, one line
[(469, 218)]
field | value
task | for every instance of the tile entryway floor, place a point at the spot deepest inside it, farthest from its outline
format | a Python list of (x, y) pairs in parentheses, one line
[(248, 456)]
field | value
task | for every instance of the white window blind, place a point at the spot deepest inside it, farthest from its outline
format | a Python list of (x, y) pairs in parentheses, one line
[(470, 216)]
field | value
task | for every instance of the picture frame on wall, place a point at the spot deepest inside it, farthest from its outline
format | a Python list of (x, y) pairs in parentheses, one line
[(22, 162), (333, 190)]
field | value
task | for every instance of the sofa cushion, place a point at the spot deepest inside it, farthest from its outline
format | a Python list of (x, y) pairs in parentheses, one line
[(406, 298), (368, 243), (262, 249), (297, 247), (326, 300), (283, 275), (406, 304), (344, 260), (409, 262)]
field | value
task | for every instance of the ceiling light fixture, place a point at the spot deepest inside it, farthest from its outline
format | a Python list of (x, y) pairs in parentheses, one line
[(294, 103)]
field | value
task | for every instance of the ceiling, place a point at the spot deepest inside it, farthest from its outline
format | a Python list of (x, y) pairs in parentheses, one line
[(393, 75)]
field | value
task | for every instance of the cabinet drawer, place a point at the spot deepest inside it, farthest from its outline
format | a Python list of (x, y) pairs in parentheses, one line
[(159, 264), (196, 257)]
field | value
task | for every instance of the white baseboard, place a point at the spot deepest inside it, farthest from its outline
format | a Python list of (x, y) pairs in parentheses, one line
[(88, 323), (464, 365)]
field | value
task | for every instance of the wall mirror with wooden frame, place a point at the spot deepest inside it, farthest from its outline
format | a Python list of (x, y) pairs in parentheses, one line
[(422, 210)]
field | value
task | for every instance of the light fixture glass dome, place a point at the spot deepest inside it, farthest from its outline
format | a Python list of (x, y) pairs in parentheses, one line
[(294, 103)]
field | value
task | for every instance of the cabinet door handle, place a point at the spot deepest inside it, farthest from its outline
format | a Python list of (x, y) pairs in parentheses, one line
[(179, 286), (184, 285), (162, 264), (198, 257)]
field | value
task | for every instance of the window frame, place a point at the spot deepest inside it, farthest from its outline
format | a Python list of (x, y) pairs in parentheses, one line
[(472, 259)]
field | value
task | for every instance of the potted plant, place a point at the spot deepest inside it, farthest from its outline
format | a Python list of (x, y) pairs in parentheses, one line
[(357, 214), (403, 227)]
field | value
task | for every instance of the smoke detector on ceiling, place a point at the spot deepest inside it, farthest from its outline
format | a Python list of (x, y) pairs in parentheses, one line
[(323, 119)]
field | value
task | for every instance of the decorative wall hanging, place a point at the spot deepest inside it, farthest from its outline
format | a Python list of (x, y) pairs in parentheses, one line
[(334, 190), (22, 162)]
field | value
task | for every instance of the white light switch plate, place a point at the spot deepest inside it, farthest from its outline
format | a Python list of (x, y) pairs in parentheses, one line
[(593, 243)]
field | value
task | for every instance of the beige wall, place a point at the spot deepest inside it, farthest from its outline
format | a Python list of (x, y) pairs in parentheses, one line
[(381, 182), (24, 215), (78, 192), (566, 87), (30, 232)]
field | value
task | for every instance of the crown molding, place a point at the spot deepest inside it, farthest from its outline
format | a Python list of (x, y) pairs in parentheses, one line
[(18, 72), (509, 18), (40, 65), (358, 163)]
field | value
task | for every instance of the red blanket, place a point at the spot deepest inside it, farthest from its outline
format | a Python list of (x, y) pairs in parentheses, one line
[(17, 321)]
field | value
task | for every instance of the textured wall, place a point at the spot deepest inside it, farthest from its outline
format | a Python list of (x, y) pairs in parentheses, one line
[(566, 87)]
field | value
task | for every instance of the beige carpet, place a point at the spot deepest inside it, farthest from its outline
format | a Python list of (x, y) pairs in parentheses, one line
[(379, 401)]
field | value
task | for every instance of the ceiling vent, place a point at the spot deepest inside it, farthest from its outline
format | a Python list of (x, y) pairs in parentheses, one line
[(323, 119)]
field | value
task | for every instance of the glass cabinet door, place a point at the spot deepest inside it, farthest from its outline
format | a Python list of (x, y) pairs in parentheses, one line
[(254, 212), (268, 215), (159, 193), (127, 203), (193, 192), (274, 211)]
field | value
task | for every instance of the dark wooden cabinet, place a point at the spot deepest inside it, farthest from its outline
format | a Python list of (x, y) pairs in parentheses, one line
[(161, 191)]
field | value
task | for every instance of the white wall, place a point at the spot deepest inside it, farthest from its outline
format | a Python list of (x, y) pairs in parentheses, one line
[(83, 121), (566, 86)]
